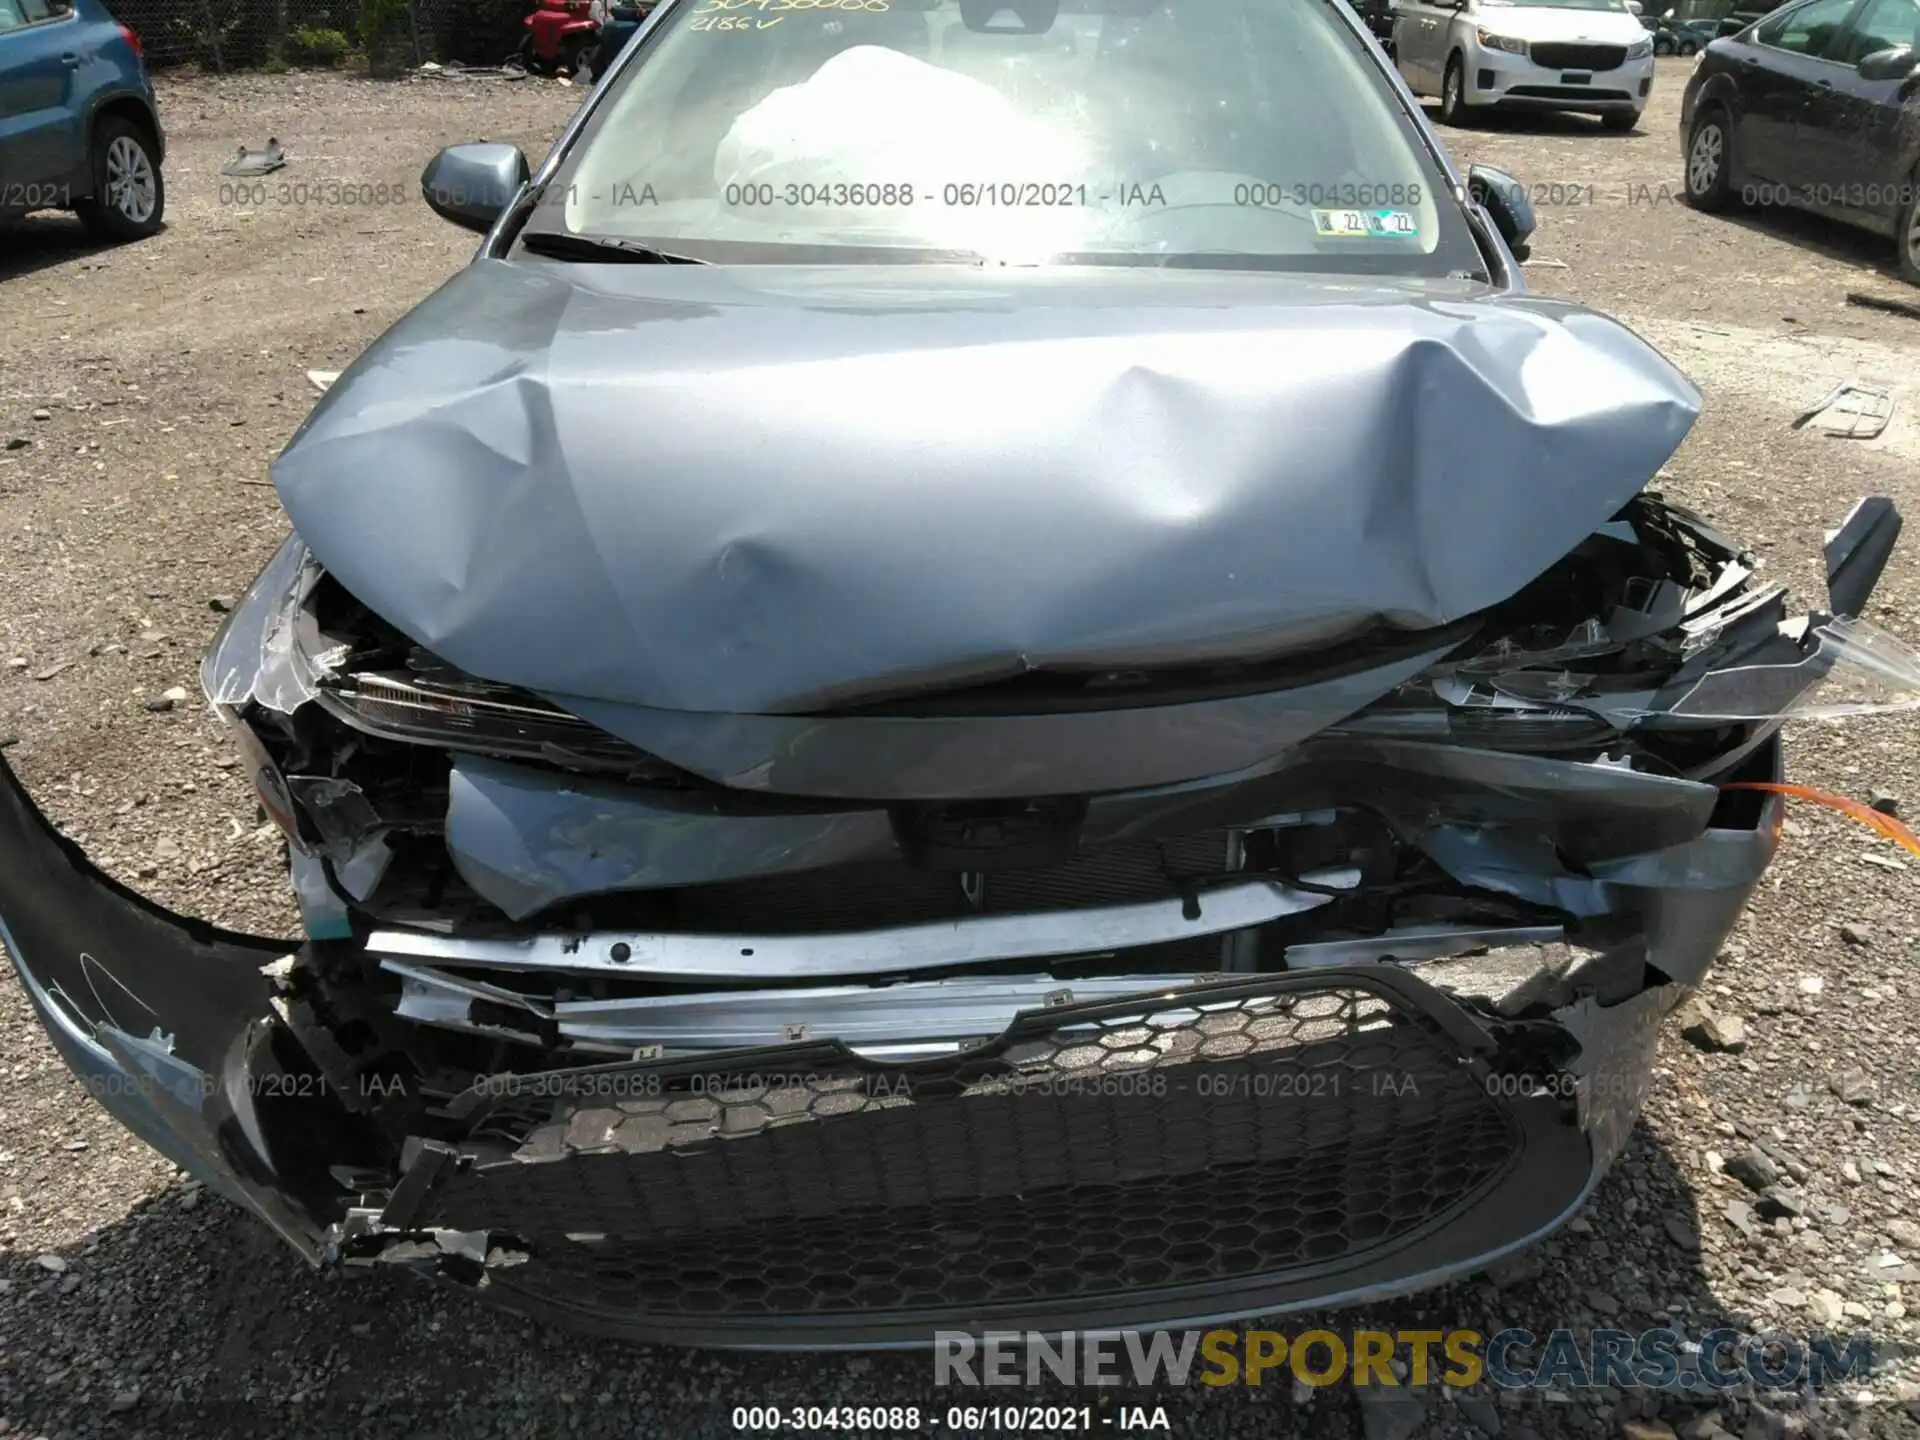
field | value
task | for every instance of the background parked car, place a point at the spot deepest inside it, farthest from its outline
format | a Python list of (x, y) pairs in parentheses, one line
[(1682, 37), (1378, 16), (621, 25), (78, 126), (1586, 55), (1817, 107)]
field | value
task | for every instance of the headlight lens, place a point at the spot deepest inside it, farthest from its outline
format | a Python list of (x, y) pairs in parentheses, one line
[(441, 706), (1639, 50), (373, 679), (1502, 42)]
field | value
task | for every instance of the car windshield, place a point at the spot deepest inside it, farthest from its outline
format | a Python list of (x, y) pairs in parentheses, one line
[(1228, 132)]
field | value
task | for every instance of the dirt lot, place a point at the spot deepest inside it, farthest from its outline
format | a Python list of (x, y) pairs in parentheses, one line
[(142, 392)]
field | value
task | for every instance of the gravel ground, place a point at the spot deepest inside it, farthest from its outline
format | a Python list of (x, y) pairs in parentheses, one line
[(142, 392)]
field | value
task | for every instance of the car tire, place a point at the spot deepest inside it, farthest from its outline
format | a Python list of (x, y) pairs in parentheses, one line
[(1707, 167), (1687, 47), (1909, 232), (1454, 109), (129, 197), (1661, 47), (1619, 122)]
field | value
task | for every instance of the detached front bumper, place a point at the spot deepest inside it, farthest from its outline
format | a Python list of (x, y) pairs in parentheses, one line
[(167, 1021), (1239, 1146)]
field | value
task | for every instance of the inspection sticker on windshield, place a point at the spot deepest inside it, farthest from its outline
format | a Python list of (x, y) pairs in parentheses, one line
[(1366, 224)]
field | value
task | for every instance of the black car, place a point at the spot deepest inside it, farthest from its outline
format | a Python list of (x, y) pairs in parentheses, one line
[(1816, 106), (1681, 37), (1378, 17)]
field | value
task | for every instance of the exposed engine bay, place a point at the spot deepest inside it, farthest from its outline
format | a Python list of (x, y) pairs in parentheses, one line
[(585, 1028), (1533, 798), (665, 1056)]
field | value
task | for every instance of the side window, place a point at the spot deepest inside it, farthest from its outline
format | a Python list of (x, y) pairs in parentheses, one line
[(1807, 30), (11, 17), (1885, 24), (37, 10)]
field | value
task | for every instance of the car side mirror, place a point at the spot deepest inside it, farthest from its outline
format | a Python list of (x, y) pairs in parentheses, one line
[(1894, 63), (472, 184), (1505, 199)]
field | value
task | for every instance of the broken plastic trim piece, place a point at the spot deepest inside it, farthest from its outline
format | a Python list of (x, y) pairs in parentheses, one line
[(915, 1019), (1419, 942), (1857, 553), (978, 941), (1851, 667)]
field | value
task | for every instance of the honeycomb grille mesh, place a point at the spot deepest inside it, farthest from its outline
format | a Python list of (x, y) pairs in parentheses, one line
[(1210, 1142)]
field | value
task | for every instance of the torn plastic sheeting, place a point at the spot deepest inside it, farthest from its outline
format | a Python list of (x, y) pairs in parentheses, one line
[(762, 490)]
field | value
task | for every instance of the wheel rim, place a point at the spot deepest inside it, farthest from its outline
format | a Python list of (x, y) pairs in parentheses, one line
[(131, 187), (1453, 98), (1913, 236), (1704, 159)]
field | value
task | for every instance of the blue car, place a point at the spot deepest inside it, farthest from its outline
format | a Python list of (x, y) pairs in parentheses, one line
[(78, 126)]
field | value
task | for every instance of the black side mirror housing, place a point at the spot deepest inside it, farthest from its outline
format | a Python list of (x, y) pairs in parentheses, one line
[(1505, 199), (472, 184), (1897, 62)]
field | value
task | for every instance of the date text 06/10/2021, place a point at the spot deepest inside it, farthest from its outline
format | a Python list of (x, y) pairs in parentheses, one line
[(953, 1420)]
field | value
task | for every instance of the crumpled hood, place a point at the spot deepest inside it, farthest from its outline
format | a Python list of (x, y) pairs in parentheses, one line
[(760, 490)]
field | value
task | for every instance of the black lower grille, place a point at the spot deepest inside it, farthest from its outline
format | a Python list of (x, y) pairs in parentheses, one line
[(1574, 93), (1245, 1130), (858, 897), (1562, 55)]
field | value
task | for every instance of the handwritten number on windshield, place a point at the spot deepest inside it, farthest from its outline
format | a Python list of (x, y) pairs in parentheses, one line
[(770, 7)]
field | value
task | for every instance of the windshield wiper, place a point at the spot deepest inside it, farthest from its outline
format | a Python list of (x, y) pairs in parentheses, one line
[(562, 246)]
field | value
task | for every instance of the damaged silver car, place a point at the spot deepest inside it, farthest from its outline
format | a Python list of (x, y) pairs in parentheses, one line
[(987, 671)]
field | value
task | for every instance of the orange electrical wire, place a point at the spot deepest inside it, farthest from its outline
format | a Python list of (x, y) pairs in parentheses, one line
[(1878, 821)]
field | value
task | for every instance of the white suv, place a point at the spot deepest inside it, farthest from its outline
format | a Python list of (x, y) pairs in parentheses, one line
[(1588, 55)]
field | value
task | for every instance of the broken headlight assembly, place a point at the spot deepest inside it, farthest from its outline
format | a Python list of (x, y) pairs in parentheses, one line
[(299, 637), (431, 703)]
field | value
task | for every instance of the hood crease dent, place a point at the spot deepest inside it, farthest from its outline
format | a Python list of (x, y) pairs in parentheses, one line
[(758, 490)]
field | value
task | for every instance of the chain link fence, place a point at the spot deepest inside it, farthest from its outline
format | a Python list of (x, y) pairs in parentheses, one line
[(246, 34)]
